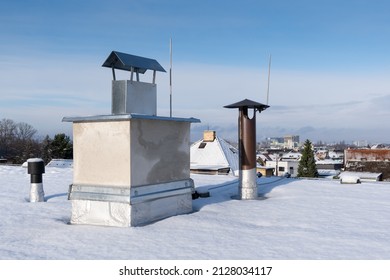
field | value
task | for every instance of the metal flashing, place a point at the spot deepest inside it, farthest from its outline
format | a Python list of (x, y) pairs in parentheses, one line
[(99, 193), (125, 117), (130, 195)]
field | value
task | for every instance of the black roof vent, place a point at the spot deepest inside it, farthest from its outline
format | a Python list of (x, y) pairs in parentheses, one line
[(246, 103)]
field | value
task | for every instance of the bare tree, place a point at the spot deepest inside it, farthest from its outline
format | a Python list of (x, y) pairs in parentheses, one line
[(17, 142), (24, 131), (7, 135)]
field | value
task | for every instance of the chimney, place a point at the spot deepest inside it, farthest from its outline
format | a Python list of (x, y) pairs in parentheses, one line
[(209, 135), (247, 188), (122, 176), (133, 96)]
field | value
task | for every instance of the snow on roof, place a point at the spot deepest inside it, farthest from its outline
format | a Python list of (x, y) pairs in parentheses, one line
[(334, 154), (327, 172), (361, 175), (264, 157), (272, 157), (350, 179), (214, 155), (329, 161), (299, 219), (60, 163), (292, 155), (34, 160)]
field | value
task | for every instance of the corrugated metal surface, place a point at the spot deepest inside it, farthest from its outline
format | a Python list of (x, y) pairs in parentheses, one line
[(123, 61), (133, 194)]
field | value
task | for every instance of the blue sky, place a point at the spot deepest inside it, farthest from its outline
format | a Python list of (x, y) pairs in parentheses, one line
[(329, 76)]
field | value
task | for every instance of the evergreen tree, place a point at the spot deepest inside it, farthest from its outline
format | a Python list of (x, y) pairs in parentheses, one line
[(45, 149), (307, 164), (61, 147)]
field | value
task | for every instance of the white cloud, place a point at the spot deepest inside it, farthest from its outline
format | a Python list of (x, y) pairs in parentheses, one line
[(42, 91)]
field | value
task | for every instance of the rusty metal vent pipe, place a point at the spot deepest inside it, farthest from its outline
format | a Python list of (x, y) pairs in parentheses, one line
[(247, 147)]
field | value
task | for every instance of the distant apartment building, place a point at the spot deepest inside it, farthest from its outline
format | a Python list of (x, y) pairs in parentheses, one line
[(275, 142), (360, 143), (291, 141), (286, 142)]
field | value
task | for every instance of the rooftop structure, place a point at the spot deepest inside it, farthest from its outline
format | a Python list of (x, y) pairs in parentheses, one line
[(247, 146), (131, 167)]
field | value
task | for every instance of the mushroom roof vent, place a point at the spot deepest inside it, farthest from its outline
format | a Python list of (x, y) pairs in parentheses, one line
[(246, 103)]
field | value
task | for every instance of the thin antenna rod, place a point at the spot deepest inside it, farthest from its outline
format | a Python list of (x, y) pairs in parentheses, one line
[(170, 78), (269, 77)]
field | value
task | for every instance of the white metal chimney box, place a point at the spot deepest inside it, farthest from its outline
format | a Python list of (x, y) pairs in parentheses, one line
[(129, 96), (132, 167)]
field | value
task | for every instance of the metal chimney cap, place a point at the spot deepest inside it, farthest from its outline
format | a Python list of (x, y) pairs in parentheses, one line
[(123, 61), (248, 104)]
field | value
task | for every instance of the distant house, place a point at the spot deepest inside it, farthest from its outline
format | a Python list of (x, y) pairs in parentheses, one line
[(265, 171), (289, 163), (213, 155), (263, 158), (291, 156), (322, 154), (368, 160), (284, 165), (336, 154)]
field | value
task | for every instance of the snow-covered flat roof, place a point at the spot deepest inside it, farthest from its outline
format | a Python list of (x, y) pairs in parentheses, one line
[(297, 219), (208, 167)]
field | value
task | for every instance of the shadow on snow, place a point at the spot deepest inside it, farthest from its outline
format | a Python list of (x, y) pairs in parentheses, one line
[(227, 191)]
